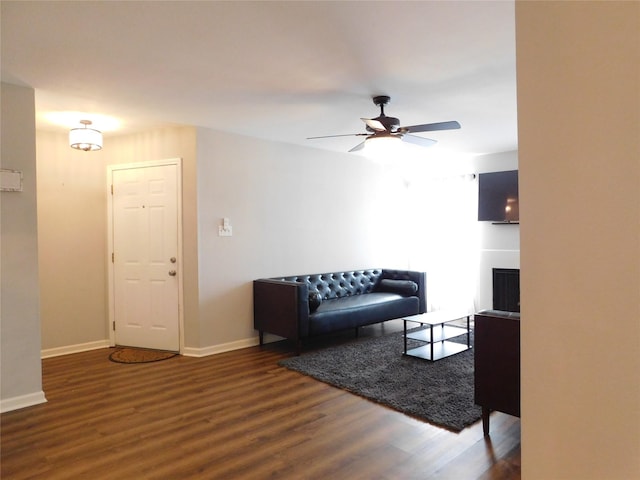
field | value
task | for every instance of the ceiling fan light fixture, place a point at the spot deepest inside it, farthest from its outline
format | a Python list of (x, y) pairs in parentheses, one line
[(382, 144), (85, 138), (384, 132)]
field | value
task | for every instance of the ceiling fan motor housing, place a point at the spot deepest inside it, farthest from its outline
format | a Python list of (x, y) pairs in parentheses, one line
[(389, 123)]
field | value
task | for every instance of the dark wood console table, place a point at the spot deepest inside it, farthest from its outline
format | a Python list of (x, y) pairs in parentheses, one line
[(497, 363)]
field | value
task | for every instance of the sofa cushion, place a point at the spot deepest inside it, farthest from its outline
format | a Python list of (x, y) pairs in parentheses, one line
[(358, 310), (401, 287)]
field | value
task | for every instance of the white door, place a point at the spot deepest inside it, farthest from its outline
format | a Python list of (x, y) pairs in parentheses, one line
[(145, 257)]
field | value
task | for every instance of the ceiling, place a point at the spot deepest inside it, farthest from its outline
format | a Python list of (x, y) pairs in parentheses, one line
[(276, 70)]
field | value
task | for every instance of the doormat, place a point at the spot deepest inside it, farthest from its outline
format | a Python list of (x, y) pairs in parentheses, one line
[(139, 355)]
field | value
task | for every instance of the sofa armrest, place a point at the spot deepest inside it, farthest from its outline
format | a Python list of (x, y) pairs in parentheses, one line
[(420, 278), (281, 307)]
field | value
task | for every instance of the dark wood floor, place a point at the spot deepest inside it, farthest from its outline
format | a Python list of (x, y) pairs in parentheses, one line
[(236, 415)]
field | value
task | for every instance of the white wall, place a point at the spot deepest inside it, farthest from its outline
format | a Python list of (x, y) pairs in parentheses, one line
[(579, 155), (72, 237), (20, 368), (293, 210), (499, 244), (71, 245)]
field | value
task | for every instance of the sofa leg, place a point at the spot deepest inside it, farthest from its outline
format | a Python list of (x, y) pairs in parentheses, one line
[(261, 337), (298, 347)]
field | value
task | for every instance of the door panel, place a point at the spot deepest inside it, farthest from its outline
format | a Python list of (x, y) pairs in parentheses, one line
[(145, 240)]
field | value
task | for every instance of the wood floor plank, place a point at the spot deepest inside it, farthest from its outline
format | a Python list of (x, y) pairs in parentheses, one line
[(237, 415)]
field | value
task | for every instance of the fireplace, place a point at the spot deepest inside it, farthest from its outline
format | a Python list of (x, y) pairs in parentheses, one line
[(506, 289)]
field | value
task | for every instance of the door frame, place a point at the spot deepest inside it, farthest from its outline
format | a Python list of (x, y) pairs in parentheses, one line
[(109, 256)]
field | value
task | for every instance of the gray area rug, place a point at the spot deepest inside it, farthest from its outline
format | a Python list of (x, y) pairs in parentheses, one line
[(438, 392)]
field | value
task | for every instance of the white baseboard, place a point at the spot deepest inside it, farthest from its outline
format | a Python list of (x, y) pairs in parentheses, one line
[(22, 401), (81, 347), (225, 347), (187, 351)]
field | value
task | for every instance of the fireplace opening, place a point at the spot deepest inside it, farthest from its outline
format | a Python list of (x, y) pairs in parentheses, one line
[(506, 289)]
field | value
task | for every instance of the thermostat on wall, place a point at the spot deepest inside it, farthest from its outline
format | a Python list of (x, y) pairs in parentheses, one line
[(10, 180)]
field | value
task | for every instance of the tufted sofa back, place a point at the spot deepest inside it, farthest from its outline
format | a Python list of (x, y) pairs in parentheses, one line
[(339, 284)]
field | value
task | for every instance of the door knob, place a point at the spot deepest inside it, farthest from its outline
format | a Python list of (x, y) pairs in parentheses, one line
[(172, 259), (172, 273)]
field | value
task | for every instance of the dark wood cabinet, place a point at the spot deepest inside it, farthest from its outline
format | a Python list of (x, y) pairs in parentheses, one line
[(497, 363)]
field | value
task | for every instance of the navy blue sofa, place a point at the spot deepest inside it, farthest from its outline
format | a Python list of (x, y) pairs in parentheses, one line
[(301, 306)]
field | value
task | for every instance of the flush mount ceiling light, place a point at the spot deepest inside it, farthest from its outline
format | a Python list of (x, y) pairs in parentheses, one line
[(86, 139)]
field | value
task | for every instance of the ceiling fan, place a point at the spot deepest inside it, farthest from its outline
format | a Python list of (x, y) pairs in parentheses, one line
[(389, 127)]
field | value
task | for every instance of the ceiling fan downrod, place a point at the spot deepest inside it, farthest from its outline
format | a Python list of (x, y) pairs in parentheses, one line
[(381, 101)]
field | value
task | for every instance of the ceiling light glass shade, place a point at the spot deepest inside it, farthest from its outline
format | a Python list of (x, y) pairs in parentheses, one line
[(381, 145), (86, 139)]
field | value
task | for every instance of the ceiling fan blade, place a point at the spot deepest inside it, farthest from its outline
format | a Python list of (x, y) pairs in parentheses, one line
[(345, 135), (431, 127), (374, 124), (421, 141), (360, 146)]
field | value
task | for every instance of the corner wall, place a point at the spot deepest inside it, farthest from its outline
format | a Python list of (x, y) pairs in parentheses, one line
[(20, 367)]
